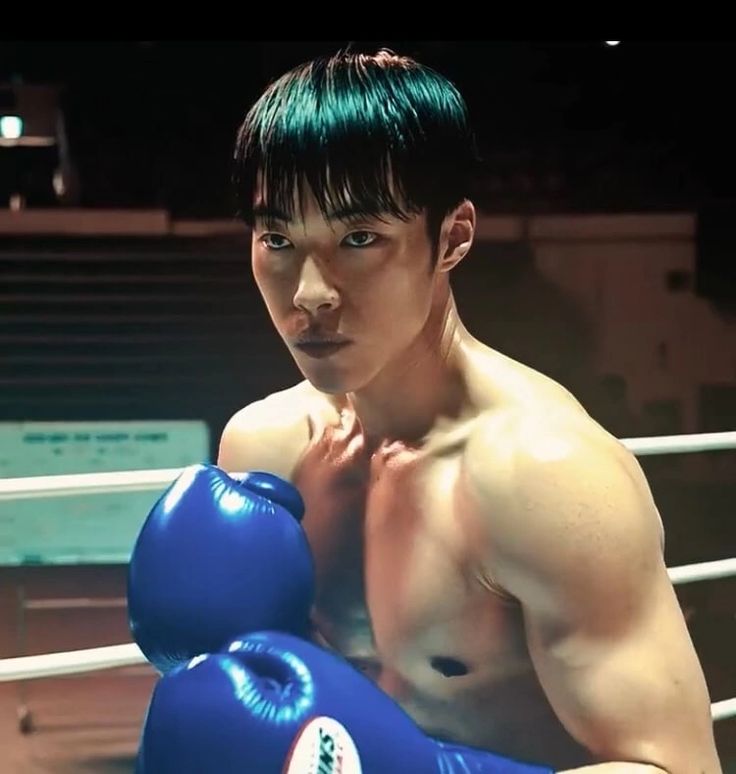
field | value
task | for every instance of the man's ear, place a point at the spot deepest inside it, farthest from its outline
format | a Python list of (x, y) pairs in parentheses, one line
[(456, 235)]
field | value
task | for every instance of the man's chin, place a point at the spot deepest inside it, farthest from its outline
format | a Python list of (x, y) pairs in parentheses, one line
[(331, 382), (329, 379), (327, 386)]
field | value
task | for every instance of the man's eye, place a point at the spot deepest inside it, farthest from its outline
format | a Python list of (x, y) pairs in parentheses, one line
[(361, 239), (275, 241)]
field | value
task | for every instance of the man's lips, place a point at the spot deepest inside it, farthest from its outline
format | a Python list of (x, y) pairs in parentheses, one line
[(316, 338), (322, 348)]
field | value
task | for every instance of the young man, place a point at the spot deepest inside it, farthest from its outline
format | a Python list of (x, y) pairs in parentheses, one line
[(484, 551)]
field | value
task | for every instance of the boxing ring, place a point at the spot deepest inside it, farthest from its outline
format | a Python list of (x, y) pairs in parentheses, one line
[(74, 662)]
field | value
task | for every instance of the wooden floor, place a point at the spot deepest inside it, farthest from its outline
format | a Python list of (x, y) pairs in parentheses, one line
[(81, 725)]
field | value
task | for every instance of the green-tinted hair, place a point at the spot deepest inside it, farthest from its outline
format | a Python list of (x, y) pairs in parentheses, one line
[(373, 133)]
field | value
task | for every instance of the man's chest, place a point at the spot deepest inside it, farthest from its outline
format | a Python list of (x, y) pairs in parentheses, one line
[(397, 584)]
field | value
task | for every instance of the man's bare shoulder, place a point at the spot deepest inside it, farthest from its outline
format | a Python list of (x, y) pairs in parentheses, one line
[(269, 434), (543, 480), (527, 426), (511, 449)]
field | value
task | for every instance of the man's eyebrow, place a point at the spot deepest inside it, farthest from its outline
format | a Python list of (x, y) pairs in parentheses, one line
[(269, 214)]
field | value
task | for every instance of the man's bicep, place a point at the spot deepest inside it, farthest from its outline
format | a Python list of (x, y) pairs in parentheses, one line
[(604, 627), (576, 538), (633, 693)]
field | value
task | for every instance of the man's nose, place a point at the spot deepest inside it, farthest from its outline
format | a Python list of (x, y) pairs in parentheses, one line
[(314, 292)]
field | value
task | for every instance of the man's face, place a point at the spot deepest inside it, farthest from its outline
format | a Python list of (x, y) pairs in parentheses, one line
[(366, 281)]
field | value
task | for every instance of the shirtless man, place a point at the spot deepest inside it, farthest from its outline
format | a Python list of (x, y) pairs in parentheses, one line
[(484, 551)]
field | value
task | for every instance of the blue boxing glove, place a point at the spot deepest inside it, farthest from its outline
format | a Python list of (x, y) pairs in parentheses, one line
[(215, 558), (274, 704)]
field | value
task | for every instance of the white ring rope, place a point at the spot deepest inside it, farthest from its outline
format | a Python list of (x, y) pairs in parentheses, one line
[(690, 573), (680, 444), (70, 662), (154, 480), (30, 487), (721, 710)]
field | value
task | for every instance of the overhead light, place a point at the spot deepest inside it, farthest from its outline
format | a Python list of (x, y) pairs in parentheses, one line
[(11, 127)]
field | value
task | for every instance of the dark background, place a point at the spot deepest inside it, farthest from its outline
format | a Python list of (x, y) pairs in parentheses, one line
[(644, 125)]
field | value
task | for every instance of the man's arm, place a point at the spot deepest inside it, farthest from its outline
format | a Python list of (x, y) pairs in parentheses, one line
[(574, 535)]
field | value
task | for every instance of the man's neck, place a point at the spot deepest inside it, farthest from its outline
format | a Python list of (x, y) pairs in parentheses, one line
[(421, 387)]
